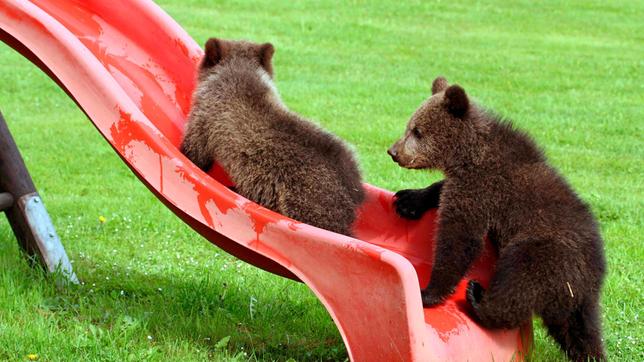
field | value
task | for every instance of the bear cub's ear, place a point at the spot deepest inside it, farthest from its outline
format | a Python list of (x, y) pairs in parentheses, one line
[(266, 52), (215, 51), (456, 101), (439, 84)]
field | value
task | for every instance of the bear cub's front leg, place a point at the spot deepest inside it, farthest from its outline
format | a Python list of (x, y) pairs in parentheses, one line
[(413, 203)]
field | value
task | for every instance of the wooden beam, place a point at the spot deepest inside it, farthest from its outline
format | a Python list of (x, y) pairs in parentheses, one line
[(26, 213), (6, 201)]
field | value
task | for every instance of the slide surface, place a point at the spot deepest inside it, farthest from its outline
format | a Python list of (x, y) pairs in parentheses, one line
[(131, 69)]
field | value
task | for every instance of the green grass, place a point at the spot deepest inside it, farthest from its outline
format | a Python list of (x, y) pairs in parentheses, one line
[(571, 74)]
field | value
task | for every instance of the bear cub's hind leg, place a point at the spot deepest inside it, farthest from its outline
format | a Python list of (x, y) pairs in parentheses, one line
[(579, 335), (413, 203), (196, 149), (523, 285), (515, 289)]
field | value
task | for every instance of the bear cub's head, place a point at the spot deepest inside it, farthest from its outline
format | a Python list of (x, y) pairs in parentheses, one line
[(220, 53), (437, 131)]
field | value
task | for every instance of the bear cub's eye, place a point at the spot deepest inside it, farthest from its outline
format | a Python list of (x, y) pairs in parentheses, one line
[(416, 132)]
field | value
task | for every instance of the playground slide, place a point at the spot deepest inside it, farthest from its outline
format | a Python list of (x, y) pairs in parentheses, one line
[(131, 69)]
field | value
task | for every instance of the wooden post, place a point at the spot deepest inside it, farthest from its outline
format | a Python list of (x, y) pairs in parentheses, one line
[(6, 201), (25, 210)]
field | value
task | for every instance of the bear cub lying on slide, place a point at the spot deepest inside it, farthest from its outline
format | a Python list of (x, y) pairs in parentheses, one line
[(274, 157), (550, 253)]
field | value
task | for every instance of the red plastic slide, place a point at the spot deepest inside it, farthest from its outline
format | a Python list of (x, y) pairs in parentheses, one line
[(131, 69)]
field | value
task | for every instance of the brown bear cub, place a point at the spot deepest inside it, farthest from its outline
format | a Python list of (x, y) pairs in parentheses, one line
[(274, 157), (498, 182)]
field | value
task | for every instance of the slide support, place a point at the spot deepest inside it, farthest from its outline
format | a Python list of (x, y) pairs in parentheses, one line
[(26, 212)]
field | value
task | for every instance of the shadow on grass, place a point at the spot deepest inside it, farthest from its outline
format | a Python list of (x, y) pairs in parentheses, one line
[(273, 319)]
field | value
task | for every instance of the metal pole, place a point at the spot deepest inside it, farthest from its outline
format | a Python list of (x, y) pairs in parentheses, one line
[(25, 210)]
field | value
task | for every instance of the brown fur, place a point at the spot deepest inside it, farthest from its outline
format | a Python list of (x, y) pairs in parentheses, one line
[(273, 156), (551, 259)]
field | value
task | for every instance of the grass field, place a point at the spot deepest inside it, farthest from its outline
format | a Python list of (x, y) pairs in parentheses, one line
[(572, 75)]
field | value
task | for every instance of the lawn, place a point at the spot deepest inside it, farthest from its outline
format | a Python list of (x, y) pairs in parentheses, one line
[(570, 74)]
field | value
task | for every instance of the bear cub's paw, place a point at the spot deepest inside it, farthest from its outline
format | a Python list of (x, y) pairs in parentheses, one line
[(474, 293), (410, 204)]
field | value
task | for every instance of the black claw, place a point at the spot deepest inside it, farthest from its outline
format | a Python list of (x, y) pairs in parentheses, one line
[(474, 293)]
